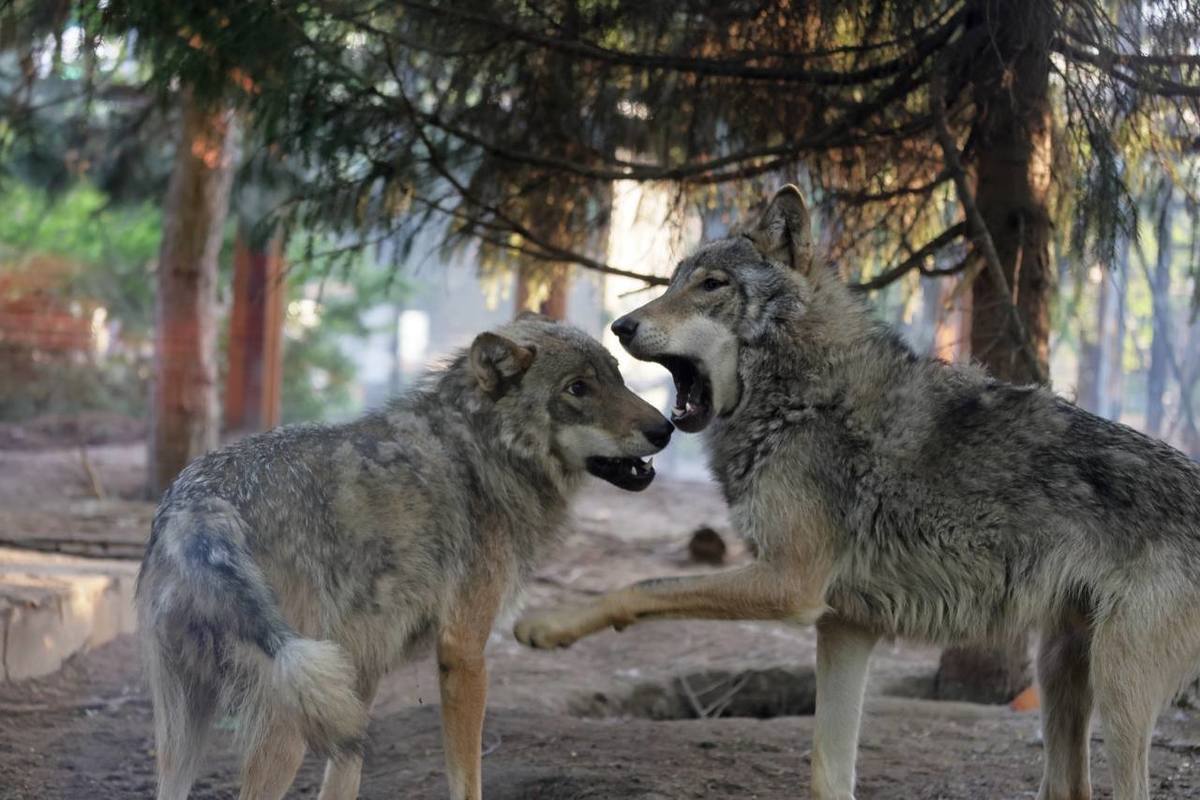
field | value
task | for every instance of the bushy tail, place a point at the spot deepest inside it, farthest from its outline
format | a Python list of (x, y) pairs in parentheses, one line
[(312, 681)]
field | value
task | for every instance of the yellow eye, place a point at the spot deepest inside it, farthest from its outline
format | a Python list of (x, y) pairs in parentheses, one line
[(577, 389)]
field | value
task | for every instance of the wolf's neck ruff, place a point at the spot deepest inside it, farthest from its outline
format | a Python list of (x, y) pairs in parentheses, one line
[(800, 371)]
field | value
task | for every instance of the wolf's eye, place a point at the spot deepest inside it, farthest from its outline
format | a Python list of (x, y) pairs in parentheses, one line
[(712, 284), (577, 389)]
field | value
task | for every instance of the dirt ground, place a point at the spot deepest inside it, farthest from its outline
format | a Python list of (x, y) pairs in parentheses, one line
[(600, 720)]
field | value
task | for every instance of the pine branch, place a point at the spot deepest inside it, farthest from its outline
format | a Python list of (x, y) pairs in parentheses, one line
[(706, 67), (546, 251)]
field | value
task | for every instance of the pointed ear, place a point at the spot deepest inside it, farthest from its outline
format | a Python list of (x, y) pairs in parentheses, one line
[(784, 233), (497, 361)]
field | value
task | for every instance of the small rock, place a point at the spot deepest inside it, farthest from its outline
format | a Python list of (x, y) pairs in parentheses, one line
[(707, 546)]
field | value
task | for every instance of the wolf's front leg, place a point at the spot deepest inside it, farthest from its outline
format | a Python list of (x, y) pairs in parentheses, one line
[(843, 653), (463, 684), (462, 679), (759, 591)]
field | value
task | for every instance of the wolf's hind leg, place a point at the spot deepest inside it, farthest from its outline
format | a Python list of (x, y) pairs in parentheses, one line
[(342, 778), (843, 654), (1063, 668), (271, 765), (343, 774), (183, 712), (1130, 688)]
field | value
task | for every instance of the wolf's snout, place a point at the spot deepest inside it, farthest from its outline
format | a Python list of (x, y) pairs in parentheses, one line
[(658, 435), (625, 329)]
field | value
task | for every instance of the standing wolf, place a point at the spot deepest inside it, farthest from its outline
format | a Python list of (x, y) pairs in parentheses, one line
[(892, 495), (287, 573)]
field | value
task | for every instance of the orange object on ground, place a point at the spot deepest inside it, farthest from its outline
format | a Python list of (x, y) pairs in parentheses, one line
[(1027, 700)]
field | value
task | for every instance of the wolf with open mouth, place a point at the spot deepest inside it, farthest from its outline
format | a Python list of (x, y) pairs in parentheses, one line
[(895, 495)]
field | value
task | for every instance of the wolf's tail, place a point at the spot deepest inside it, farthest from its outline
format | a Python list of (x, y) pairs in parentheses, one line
[(208, 617), (312, 680)]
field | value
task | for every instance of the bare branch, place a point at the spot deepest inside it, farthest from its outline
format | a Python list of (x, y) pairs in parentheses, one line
[(1138, 59), (978, 228), (914, 261), (1109, 62)]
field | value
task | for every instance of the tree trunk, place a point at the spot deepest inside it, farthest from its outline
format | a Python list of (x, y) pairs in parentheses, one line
[(184, 406), (1012, 186), (1160, 296), (553, 285), (1011, 92), (951, 338), (254, 382)]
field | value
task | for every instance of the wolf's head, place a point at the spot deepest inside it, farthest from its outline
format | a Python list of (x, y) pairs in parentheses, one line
[(561, 397), (727, 296)]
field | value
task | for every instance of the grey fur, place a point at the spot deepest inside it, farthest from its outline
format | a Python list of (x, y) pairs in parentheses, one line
[(369, 537), (896, 495)]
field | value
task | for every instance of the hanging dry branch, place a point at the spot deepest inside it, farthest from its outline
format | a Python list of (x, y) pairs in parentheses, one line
[(978, 228)]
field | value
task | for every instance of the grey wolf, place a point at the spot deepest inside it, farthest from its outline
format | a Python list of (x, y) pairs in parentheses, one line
[(287, 573), (891, 495)]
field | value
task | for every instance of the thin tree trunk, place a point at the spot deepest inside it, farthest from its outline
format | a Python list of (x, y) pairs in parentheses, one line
[(1088, 377), (1190, 369), (254, 382), (1110, 340), (396, 373), (951, 337), (1012, 191), (1105, 314), (1160, 294), (555, 282), (184, 405)]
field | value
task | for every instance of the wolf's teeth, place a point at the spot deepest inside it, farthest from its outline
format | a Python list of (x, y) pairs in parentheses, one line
[(650, 463)]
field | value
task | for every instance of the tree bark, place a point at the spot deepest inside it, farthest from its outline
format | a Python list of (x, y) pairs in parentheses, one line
[(1012, 170), (184, 406), (1160, 297)]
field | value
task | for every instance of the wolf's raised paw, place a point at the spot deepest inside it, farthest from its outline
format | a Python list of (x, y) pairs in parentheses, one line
[(545, 630)]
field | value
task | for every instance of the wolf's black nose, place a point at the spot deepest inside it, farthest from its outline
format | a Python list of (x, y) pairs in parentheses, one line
[(660, 434), (625, 328)]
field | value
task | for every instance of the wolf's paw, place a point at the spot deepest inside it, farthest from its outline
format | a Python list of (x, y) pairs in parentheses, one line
[(547, 629)]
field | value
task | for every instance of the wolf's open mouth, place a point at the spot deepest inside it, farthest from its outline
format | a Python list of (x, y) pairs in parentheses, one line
[(631, 474), (693, 394)]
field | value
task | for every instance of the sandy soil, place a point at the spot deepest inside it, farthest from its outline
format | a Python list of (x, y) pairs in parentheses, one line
[(567, 725)]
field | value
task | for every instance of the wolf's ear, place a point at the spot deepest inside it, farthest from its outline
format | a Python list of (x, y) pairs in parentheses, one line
[(496, 361), (784, 232), (534, 315)]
